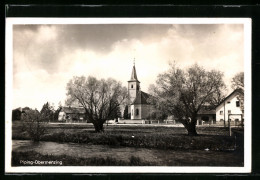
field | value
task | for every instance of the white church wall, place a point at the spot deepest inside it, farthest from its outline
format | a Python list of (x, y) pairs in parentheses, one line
[(132, 90), (136, 112)]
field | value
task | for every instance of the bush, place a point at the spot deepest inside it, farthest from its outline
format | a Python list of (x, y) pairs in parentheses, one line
[(143, 137), (33, 124), (135, 161)]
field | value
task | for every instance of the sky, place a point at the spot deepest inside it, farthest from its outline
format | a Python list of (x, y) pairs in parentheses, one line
[(46, 57)]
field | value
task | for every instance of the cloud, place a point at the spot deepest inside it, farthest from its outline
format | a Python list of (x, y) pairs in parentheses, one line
[(35, 88), (47, 56)]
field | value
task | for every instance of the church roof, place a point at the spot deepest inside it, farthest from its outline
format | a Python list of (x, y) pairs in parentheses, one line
[(133, 75), (141, 98)]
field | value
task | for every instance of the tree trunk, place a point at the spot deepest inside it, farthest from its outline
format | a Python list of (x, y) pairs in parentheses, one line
[(99, 127), (191, 128)]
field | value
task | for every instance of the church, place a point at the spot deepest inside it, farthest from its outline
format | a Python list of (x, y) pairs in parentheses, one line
[(138, 105)]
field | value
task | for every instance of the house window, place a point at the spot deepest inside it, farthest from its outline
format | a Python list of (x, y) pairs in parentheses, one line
[(221, 112), (137, 112), (237, 103), (228, 102), (229, 111), (132, 86)]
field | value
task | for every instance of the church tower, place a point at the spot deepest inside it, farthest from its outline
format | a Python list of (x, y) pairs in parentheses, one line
[(133, 86)]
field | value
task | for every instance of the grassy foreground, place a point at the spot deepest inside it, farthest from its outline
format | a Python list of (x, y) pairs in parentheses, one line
[(212, 147), (173, 138), (179, 158), (36, 159)]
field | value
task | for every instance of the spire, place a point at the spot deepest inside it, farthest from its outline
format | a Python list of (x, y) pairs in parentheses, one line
[(134, 76)]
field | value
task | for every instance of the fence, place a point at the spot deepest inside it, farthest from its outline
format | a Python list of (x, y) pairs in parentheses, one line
[(220, 123)]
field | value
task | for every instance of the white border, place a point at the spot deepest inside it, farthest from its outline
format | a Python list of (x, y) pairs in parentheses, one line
[(127, 169)]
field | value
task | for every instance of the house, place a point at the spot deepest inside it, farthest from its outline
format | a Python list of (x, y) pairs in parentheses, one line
[(206, 116), (230, 108), (138, 104), (72, 114)]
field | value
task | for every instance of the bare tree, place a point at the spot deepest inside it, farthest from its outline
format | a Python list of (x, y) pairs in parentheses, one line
[(34, 122), (238, 83), (48, 111), (216, 98), (100, 98), (126, 113), (183, 93)]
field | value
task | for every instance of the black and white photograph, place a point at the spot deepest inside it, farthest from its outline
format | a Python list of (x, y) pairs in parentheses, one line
[(128, 95)]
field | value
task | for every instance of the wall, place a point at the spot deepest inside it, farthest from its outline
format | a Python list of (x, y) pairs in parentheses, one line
[(144, 111), (228, 106), (62, 116), (212, 119), (133, 111), (132, 91), (127, 121)]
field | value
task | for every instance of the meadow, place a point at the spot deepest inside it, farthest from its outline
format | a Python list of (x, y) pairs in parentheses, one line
[(164, 138)]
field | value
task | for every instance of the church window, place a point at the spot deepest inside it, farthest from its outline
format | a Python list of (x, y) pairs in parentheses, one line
[(132, 86), (137, 112)]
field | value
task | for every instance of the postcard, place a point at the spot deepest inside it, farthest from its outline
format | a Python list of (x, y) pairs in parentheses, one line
[(128, 95)]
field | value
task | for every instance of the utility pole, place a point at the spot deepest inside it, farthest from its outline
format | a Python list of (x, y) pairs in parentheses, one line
[(224, 114), (229, 126)]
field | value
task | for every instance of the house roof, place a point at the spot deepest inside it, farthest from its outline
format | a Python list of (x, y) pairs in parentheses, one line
[(204, 111), (18, 109), (141, 98), (235, 91), (73, 110)]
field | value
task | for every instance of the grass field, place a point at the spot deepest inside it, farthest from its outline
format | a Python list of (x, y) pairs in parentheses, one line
[(165, 138)]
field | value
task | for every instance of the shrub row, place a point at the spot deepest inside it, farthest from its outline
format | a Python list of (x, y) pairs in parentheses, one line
[(173, 138), (160, 141)]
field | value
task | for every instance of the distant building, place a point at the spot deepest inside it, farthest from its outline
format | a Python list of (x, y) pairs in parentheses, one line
[(17, 114), (72, 114), (206, 116), (138, 106), (230, 107)]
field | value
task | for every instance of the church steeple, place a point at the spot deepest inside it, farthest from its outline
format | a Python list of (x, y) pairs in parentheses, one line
[(133, 85), (134, 75)]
